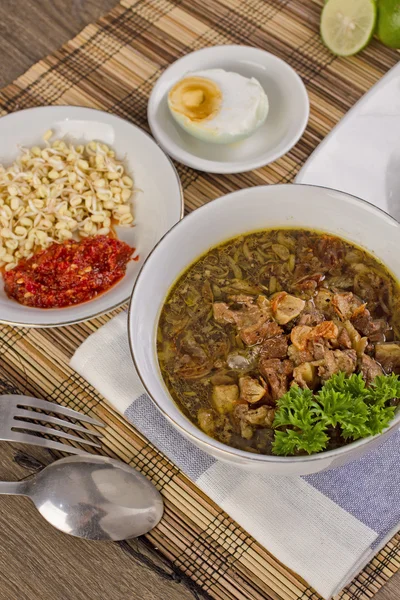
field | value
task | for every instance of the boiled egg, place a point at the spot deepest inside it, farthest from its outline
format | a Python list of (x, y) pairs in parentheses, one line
[(218, 106)]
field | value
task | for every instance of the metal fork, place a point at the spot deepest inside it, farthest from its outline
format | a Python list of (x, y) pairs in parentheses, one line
[(16, 419)]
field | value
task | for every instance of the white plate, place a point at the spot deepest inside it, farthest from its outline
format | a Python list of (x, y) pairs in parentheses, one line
[(285, 124), (157, 207), (361, 155)]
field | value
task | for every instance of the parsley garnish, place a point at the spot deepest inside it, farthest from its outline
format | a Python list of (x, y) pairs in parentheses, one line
[(303, 420)]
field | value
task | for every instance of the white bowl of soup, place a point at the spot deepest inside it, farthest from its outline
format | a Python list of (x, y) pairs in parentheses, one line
[(263, 294)]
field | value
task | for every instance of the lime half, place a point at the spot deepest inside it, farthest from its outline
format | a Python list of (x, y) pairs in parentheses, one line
[(348, 25)]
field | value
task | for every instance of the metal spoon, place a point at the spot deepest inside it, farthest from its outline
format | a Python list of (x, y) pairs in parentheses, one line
[(92, 497)]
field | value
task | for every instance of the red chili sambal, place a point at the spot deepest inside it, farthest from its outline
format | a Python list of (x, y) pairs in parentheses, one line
[(68, 273)]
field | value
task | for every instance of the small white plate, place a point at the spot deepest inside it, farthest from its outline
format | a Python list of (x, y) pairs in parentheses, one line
[(157, 207), (285, 123)]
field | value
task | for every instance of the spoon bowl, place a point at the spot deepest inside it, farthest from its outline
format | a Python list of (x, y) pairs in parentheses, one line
[(92, 497)]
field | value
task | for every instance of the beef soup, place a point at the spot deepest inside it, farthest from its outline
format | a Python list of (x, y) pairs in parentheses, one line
[(267, 311)]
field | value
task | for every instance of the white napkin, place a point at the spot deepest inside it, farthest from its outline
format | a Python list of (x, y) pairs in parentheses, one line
[(327, 526), (361, 155)]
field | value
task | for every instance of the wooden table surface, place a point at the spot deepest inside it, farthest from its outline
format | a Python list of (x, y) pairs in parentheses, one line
[(36, 561)]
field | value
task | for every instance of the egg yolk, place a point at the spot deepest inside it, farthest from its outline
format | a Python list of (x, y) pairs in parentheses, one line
[(195, 97)]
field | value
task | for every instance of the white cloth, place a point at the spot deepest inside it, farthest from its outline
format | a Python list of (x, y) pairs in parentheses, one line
[(327, 526), (361, 155)]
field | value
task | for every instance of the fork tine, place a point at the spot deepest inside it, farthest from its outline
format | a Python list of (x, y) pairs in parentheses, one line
[(26, 438), (51, 407), (50, 431), (29, 414)]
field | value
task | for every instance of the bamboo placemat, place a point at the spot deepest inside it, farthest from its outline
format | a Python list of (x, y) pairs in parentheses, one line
[(113, 65)]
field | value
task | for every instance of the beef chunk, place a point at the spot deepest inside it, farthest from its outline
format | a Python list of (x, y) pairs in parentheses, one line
[(249, 314), (310, 315), (345, 304), (275, 347), (374, 329), (388, 355), (262, 416), (299, 356), (343, 339), (256, 334), (276, 373), (370, 369), (335, 361), (318, 348), (222, 313), (253, 319), (330, 250), (302, 335)]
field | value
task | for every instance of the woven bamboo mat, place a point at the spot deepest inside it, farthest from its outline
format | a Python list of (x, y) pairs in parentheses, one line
[(113, 65)]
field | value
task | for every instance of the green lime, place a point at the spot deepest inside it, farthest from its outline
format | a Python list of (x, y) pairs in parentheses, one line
[(348, 25), (389, 22)]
